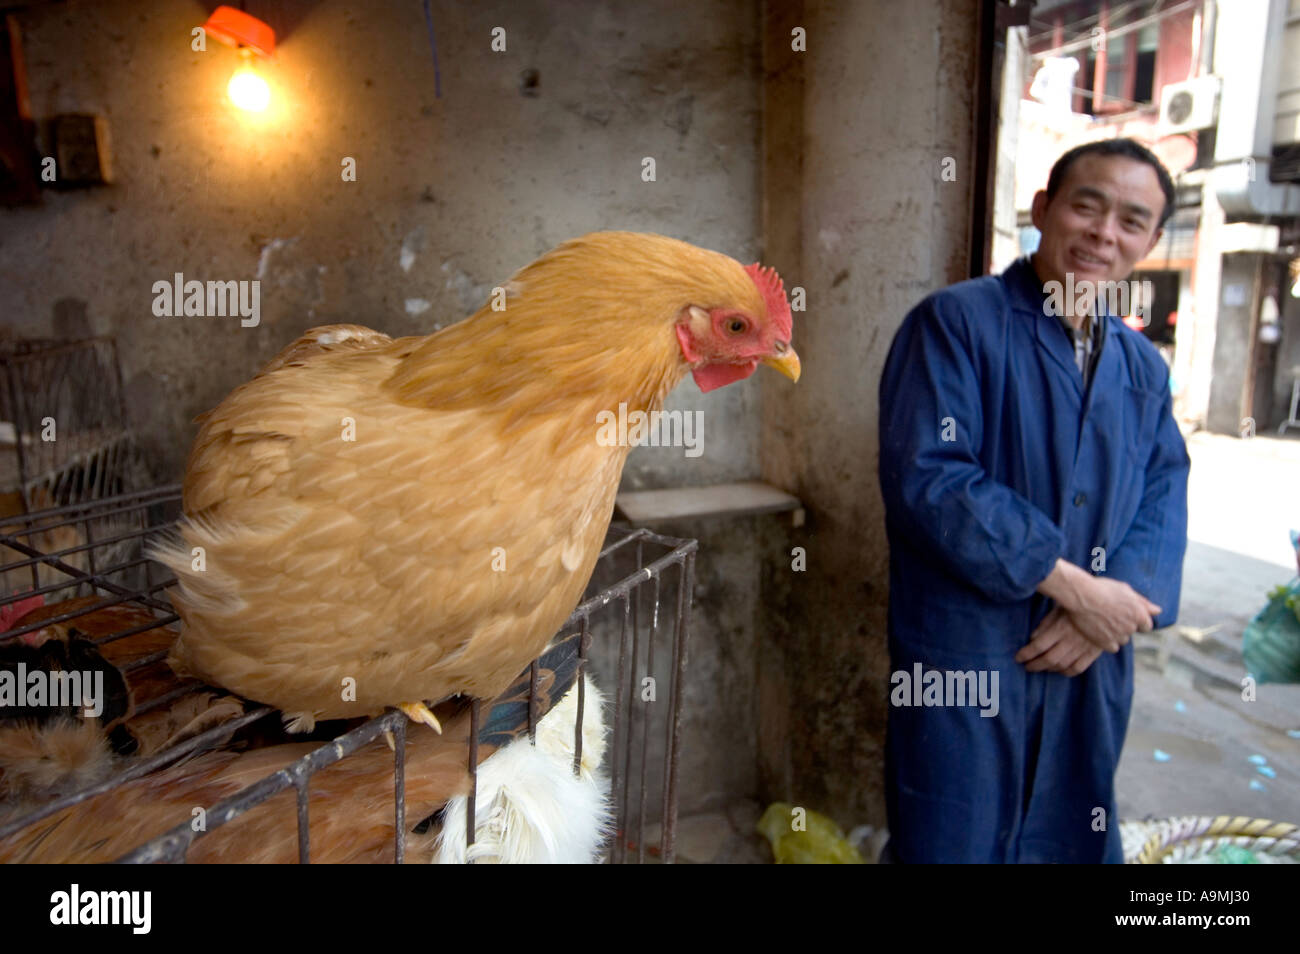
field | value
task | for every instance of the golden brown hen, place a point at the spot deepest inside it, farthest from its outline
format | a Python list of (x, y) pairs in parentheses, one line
[(375, 522)]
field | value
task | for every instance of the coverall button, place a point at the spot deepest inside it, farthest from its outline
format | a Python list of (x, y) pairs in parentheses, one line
[(1080, 499)]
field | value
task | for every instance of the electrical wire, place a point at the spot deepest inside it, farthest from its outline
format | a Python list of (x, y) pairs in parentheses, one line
[(433, 45)]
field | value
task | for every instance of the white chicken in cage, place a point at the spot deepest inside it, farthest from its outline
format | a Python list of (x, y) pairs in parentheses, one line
[(530, 807)]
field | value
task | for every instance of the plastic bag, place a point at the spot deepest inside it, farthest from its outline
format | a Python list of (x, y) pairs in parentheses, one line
[(805, 837), (1270, 645)]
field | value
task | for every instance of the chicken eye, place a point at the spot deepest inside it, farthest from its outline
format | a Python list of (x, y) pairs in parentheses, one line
[(736, 326)]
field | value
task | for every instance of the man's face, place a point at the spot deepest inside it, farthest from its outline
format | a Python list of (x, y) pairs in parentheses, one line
[(1101, 222)]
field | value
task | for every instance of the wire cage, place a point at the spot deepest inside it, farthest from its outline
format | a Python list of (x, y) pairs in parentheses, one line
[(64, 438), (630, 632)]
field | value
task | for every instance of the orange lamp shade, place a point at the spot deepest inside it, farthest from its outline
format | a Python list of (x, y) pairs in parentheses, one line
[(237, 28)]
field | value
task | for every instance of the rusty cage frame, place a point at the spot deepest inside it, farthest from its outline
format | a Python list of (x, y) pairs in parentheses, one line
[(624, 583)]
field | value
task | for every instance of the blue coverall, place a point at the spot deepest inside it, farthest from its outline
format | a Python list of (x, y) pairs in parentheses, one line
[(994, 462)]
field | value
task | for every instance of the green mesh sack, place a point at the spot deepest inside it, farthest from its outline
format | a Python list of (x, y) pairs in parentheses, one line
[(1271, 644)]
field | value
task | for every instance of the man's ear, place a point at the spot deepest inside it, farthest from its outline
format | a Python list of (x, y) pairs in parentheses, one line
[(1155, 240), (1038, 210)]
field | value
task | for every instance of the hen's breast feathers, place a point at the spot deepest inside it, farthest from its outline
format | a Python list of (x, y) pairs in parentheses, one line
[(408, 547)]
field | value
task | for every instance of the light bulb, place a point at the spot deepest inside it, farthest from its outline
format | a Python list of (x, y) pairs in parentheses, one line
[(249, 91)]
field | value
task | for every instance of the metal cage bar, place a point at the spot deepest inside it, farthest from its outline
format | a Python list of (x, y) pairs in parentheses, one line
[(115, 576), (76, 386)]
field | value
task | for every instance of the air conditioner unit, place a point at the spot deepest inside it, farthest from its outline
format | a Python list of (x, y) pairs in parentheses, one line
[(1190, 105)]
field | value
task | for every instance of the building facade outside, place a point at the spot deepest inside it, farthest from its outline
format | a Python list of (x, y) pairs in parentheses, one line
[(1213, 88)]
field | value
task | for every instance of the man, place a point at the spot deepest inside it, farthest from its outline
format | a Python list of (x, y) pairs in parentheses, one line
[(1035, 488)]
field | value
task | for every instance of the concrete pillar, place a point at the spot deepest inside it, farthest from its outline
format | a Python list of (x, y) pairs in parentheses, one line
[(1234, 352), (1288, 356), (858, 131), (1197, 327)]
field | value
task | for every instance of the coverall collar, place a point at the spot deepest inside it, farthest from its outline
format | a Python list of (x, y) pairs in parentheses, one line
[(1027, 295)]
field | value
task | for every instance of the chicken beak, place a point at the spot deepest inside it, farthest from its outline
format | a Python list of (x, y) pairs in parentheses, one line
[(785, 361)]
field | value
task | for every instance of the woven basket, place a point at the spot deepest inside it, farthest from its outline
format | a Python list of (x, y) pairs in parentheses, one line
[(1188, 839)]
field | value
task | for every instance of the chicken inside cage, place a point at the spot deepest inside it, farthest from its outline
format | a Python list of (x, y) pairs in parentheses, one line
[(142, 764), (375, 524), (371, 524)]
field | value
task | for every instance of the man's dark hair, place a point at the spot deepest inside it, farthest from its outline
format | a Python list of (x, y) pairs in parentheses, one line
[(1127, 148)]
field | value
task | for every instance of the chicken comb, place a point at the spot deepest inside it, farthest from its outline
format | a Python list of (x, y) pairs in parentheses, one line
[(772, 289)]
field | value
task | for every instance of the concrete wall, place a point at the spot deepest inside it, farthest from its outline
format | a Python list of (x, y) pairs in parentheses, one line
[(474, 184), (1177, 43), (856, 212)]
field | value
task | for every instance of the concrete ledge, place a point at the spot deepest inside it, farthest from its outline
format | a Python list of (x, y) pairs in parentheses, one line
[(717, 500)]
